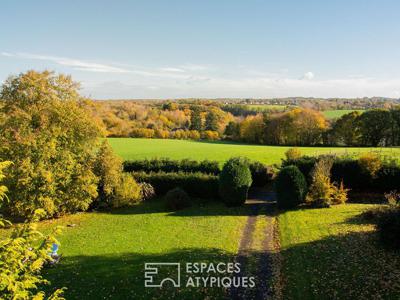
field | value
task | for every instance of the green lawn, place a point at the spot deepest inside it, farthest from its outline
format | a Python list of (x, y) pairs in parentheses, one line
[(331, 254), (131, 148), (337, 113), (104, 255), (266, 107)]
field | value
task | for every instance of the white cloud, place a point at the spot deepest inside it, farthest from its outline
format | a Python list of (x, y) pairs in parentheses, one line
[(168, 69), (192, 80), (308, 76), (70, 62)]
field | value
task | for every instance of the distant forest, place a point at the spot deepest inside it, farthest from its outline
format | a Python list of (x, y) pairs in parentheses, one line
[(284, 121)]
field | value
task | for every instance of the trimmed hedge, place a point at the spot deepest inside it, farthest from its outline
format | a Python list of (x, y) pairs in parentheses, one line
[(260, 174), (197, 185), (290, 187), (353, 175), (172, 166), (235, 181)]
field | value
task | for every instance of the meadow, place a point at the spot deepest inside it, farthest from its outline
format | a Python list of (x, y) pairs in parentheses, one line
[(337, 113), (135, 148)]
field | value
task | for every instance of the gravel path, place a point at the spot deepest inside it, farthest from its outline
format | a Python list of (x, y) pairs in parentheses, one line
[(264, 263)]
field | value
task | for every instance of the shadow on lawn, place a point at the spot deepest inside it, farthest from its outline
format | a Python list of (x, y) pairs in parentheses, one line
[(348, 266), (121, 276), (202, 207), (351, 266)]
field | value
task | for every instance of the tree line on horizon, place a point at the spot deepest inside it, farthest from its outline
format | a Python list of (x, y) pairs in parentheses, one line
[(212, 120)]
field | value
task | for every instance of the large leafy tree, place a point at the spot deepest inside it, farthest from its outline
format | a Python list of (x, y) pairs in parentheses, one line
[(346, 130), (375, 126), (51, 140)]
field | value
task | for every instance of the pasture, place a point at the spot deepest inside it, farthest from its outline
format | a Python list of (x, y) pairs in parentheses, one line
[(136, 148), (337, 113)]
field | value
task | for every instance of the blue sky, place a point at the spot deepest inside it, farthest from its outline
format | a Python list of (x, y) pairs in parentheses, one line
[(208, 48)]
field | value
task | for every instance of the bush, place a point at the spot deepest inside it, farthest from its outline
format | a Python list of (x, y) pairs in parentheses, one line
[(147, 191), (293, 153), (115, 188), (168, 165), (291, 187), (388, 226), (177, 199), (339, 195), (388, 178), (259, 174), (305, 164), (370, 163), (356, 174), (235, 181), (197, 185), (321, 190), (127, 192)]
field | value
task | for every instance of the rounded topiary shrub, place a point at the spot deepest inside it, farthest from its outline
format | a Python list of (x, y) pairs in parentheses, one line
[(290, 187), (235, 181), (177, 199)]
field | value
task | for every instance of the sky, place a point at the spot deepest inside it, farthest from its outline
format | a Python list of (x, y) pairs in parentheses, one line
[(208, 48)]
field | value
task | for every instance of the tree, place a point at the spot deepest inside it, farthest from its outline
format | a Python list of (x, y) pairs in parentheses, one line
[(196, 121), (375, 127), (252, 129), (51, 140), (296, 127), (212, 121), (22, 256), (232, 130), (346, 130)]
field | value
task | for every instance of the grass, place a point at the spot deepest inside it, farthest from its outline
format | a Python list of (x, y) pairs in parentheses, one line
[(331, 254), (337, 113), (266, 107), (131, 148), (104, 254)]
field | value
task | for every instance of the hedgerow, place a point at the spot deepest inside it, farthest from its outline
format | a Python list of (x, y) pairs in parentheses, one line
[(169, 165), (197, 184)]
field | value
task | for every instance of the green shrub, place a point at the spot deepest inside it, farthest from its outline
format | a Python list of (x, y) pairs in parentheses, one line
[(305, 164), (198, 185), (260, 174), (172, 166), (235, 181), (127, 192), (388, 178), (291, 187), (388, 226), (177, 199), (115, 188)]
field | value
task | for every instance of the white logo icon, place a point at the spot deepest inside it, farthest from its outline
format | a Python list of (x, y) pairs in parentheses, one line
[(151, 272)]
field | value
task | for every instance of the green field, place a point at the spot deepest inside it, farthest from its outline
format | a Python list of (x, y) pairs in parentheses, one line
[(337, 113), (331, 253), (131, 148), (104, 254), (266, 107)]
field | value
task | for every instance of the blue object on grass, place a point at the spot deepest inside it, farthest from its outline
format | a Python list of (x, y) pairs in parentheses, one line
[(54, 249)]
